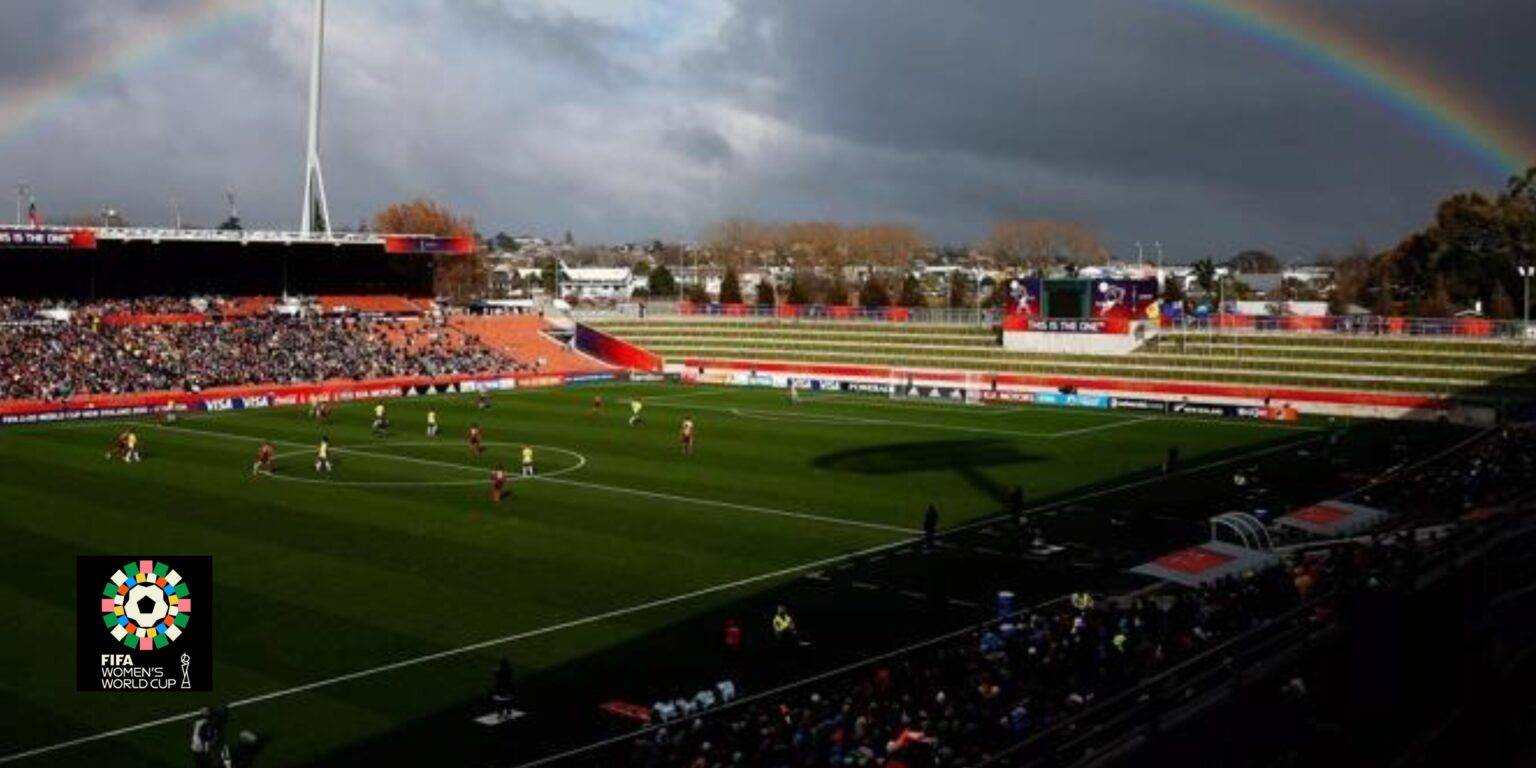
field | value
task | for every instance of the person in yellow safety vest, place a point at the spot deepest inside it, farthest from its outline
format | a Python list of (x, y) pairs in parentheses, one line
[(784, 626)]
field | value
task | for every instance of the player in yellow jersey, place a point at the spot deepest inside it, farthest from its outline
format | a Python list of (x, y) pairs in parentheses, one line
[(527, 461), (131, 447), (634, 411), (380, 421), (431, 423), (323, 455)]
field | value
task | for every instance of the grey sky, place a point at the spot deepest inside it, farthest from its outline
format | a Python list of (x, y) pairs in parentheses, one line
[(631, 120)]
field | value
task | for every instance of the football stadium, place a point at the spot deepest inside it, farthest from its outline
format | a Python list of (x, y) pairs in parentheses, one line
[(797, 494)]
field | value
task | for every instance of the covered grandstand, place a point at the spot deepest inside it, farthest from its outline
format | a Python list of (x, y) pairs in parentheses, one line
[(100, 263)]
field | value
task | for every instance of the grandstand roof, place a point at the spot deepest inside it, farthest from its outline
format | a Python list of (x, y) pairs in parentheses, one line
[(85, 237), (1333, 518), (1207, 563)]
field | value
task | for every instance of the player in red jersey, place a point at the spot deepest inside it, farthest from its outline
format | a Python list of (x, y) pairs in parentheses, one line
[(597, 404), (685, 436), (263, 460), (476, 446), (119, 446), (498, 484)]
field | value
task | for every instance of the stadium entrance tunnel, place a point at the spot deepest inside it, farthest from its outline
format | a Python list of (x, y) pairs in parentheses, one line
[(967, 458)]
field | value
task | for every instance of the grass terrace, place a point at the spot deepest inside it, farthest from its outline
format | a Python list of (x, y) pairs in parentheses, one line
[(1398, 364)]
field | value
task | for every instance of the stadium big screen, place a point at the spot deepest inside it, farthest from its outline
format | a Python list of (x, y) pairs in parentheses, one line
[(89, 264)]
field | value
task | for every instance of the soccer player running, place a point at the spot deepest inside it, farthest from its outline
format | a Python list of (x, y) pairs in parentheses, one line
[(685, 436), (498, 484), (431, 423), (380, 421), (527, 461), (263, 460), (476, 442), (119, 446), (635, 407), (323, 455), (597, 405)]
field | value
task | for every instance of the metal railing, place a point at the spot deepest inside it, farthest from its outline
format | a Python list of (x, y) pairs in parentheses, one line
[(1469, 328), (1358, 326), (790, 313)]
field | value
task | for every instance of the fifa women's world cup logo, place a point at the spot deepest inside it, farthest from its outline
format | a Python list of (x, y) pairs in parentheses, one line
[(146, 605), (135, 630)]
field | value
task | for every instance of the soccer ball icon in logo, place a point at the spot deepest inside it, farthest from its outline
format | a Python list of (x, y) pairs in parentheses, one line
[(146, 605)]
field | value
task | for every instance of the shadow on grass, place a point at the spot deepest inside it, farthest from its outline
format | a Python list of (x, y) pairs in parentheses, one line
[(848, 622), (968, 458)]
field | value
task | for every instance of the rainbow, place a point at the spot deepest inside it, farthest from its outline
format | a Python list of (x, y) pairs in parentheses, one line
[(54, 92), (1449, 112)]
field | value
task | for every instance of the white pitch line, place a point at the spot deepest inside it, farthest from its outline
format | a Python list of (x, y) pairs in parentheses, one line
[(425, 658), (1102, 427), (729, 505), (595, 486), (792, 415), (625, 611)]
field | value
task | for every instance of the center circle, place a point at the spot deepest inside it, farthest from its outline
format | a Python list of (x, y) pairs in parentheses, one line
[(379, 452)]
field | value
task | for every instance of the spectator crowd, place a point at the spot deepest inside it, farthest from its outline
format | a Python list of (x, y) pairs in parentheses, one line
[(52, 359), (960, 701)]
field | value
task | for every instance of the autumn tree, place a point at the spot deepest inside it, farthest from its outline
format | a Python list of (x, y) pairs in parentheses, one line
[(1467, 254), (874, 294), (802, 288), (458, 276), (1041, 244)]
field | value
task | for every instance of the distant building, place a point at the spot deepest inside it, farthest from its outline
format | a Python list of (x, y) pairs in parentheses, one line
[(594, 282)]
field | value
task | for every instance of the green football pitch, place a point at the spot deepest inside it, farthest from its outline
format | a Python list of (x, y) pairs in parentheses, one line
[(352, 604)]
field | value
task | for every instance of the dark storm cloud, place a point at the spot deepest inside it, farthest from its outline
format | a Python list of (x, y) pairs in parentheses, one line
[(626, 121)]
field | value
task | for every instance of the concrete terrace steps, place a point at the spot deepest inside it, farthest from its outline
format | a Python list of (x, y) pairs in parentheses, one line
[(1062, 365), (674, 339), (668, 345), (522, 337), (808, 326), (1323, 361), (1290, 381), (1203, 348), (1395, 344)]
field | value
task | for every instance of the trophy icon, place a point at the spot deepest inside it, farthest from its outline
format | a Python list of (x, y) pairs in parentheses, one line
[(186, 665)]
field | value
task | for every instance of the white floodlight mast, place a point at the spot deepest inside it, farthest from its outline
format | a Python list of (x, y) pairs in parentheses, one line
[(316, 217)]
